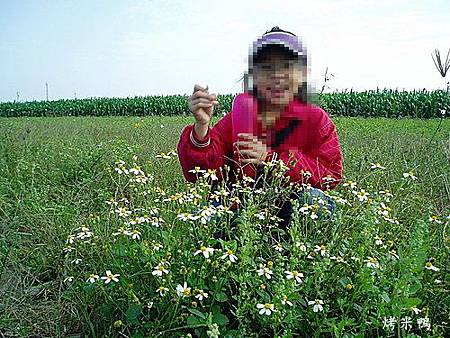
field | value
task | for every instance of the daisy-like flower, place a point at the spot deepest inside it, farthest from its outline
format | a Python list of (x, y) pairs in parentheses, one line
[(211, 173), (317, 304), (205, 251), (321, 249), (338, 259), (305, 209), (201, 294), (416, 310), (410, 175), (68, 249), (265, 309), (285, 301), (77, 261), (294, 275), (301, 246), (160, 269), (163, 155), (68, 279), (278, 247), (372, 262), (263, 270), (435, 219), (110, 277), (362, 195), (393, 253), (197, 170), (376, 166), (162, 290), (350, 184), (378, 240), (230, 255), (136, 234), (92, 278), (430, 266), (183, 290)]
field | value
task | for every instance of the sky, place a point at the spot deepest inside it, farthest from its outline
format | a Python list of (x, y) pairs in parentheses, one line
[(135, 47)]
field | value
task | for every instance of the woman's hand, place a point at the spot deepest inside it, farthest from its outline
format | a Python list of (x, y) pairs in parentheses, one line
[(201, 104), (252, 147)]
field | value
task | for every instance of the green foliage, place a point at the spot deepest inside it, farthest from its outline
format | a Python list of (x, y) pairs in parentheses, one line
[(380, 103), (58, 173)]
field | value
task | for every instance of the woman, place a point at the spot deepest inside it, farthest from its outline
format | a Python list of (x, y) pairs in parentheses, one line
[(286, 126)]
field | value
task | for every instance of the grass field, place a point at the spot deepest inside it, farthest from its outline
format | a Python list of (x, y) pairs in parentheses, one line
[(57, 173)]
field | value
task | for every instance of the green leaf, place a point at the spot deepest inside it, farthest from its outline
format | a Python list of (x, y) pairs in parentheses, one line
[(411, 302), (133, 311), (197, 313), (220, 319), (385, 297), (221, 296), (193, 321)]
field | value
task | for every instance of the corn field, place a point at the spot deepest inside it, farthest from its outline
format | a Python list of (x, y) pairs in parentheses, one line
[(380, 103)]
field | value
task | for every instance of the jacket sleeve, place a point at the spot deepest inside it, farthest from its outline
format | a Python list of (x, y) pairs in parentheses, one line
[(207, 153), (327, 160)]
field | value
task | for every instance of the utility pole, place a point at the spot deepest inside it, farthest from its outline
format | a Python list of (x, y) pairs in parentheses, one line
[(75, 94), (17, 95), (46, 90)]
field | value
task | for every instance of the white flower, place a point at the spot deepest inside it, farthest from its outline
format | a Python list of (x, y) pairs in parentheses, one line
[(266, 309), (92, 278), (410, 175), (294, 275), (201, 294), (228, 253), (211, 173), (183, 290), (305, 209), (376, 166), (264, 271), (321, 249), (278, 247), (197, 170), (68, 279), (205, 251), (416, 310), (362, 195), (372, 262), (160, 269), (162, 290), (301, 246), (430, 266), (317, 305), (338, 259), (77, 261), (110, 277), (68, 249), (435, 219), (285, 301), (136, 234), (378, 240), (163, 155)]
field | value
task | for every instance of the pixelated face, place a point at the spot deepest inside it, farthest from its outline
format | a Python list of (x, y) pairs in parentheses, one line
[(277, 76)]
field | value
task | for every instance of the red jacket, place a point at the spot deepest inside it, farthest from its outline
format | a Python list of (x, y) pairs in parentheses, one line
[(313, 142)]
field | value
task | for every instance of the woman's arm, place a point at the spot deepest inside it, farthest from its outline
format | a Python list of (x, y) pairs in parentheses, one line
[(206, 153)]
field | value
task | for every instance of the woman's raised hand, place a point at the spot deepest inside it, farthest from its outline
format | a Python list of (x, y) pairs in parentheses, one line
[(201, 104)]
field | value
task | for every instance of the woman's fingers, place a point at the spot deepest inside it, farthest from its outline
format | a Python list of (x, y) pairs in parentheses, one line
[(249, 152), (204, 100)]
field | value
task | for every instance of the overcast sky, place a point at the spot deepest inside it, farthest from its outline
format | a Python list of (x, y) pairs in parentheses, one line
[(124, 48)]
